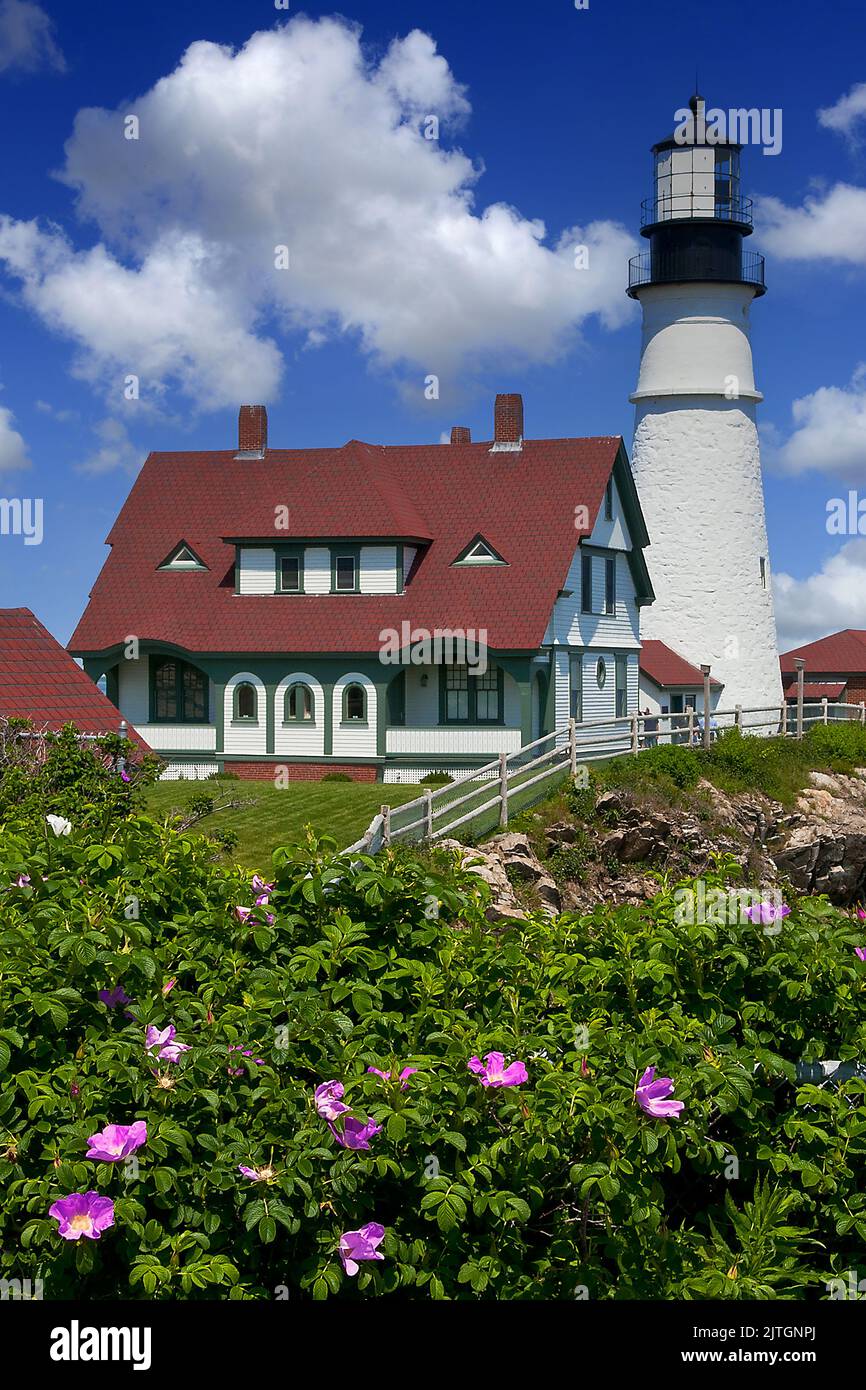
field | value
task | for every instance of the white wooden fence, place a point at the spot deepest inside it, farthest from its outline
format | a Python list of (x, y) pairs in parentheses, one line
[(442, 810)]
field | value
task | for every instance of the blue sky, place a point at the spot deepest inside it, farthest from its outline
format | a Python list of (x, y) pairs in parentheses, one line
[(149, 257)]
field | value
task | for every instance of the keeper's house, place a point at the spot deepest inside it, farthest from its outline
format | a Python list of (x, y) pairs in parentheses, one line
[(379, 611)]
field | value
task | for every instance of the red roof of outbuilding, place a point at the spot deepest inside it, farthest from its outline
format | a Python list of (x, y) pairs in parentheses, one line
[(814, 690), (666, 668), (523, 502), (41, 682), (839, 653)]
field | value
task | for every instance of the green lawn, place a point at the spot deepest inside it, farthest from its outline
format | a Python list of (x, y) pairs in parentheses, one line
[(279, 817)]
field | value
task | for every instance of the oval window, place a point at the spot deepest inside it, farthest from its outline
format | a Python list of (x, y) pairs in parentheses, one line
[(601, 673)]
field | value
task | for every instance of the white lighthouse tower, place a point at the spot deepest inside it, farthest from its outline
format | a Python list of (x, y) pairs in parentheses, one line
[(696, 456)]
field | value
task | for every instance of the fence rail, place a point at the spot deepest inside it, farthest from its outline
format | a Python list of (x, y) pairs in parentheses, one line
[(431, 816)]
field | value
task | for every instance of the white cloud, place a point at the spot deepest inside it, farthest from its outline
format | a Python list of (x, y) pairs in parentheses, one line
[(27, 38), (845, 114), (832, 599), (829, 433), (299, 139), (115, 450), (830, 226), (13, 450)]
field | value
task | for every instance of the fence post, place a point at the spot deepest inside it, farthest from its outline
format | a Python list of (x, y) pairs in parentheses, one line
[(635, 733), (783, 723), (691, 727), (824, 709), (800, 664), (705, 670), (503, 790), (863, 711), (428, 815), (386, 825), (738, 717), (572, 747)]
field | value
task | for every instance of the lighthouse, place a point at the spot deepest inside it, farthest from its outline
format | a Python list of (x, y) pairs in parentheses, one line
[(696, 455)]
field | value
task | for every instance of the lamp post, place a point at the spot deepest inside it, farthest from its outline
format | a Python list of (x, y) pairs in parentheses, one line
[(801, 666)]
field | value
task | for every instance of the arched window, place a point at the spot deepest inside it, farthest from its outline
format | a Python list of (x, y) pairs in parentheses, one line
[(354, 704), (299, 705), (246, 701)]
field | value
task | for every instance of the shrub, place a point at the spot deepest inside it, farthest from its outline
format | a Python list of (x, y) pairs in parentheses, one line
[(336, 777), (436, 779), (841, 747), (517, 1193), (667, 765)]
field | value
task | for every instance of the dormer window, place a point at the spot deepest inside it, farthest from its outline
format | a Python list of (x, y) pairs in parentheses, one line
[(183, 557), (479, 552), (290, 574), (345, 569)]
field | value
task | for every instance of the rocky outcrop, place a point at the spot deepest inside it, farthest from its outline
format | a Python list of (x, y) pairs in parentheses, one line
[(503, 862), (821, 848)]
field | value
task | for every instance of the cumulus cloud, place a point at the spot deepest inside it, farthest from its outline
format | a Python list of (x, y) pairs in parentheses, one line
[(13, 450), (845, 115), (830, 226), (27, 38), (114, 450), (829, 434), (832, 599), (299, 141)]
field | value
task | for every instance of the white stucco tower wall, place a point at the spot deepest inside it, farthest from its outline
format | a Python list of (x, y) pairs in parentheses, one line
[(696, 455)]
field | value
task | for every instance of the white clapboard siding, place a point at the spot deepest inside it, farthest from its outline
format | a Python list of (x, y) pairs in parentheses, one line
[(257, 570), (611, 534), (245, 738), (296, 740), (179, 738), (454, 740), (317, 570), (354, 740), (378, 569), (134, 690), (577, 629)]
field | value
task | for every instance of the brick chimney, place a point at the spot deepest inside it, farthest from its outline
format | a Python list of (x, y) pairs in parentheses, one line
[(508, 422), (461, 435), (252, 431)]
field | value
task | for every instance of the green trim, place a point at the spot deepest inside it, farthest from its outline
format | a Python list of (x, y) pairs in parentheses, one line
[(401, 572), (297, 721), (328, 741), (472, 720), (478, 538), (289, 552), (250, 721), (549, 714), (219, 692), (343, 552), (634, 520), (355, 723), (154, 662), (112, 686)]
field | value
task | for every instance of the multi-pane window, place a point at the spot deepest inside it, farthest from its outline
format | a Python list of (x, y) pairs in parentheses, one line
[(290, 574), (345, 573), (179, 692), (456, 692), (299, 704), (621, 687), (610, 584), (473, 699)]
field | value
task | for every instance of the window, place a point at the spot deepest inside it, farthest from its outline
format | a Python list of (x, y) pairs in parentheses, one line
[(586, 583), (346, 573), (246, 702), (299, 706), (575, 707), (621, 687), (479, 552), (601, 673), (472, 699), (183, 557), (610, 584), (608, 500), (290, 574), (354, 704), (179, 692), (763, 573)]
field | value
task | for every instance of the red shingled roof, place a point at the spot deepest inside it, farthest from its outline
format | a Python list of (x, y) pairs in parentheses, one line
[(814, 690), (666, 668), (524, 503), (839, 653), (40, 681)]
